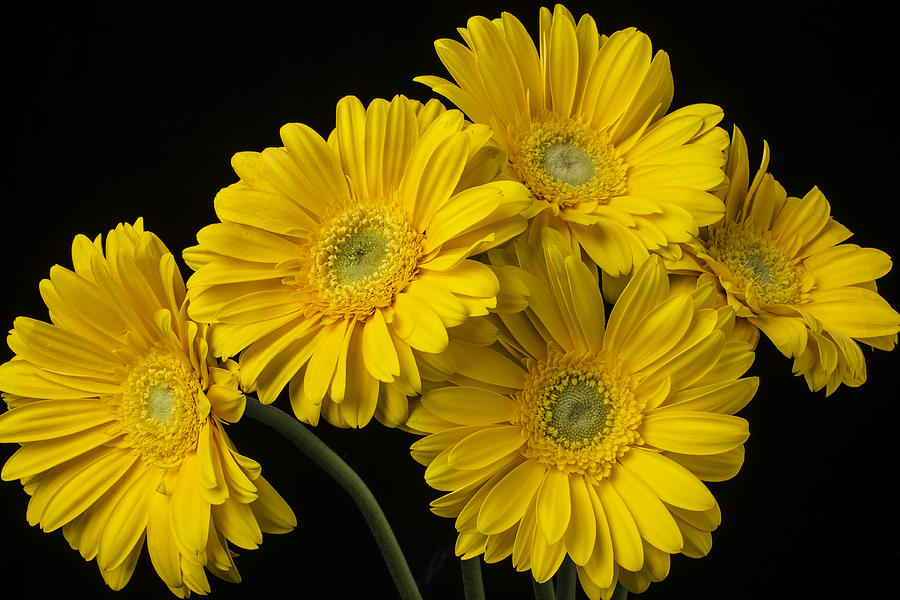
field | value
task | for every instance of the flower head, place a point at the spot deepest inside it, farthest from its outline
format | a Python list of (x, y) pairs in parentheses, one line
[(120, 412), (584, 123), (780, 263), (339, 266), (588, 438)]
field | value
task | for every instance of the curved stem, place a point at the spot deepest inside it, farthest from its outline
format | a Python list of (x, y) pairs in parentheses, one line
[(620, 593), (543, 591), (331, 463), (566, 579), (473, 586)]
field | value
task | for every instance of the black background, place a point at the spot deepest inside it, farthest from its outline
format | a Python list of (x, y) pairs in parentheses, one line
[(121, 112)]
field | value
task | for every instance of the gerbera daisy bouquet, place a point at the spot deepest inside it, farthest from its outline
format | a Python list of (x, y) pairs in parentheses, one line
[(538, 298)]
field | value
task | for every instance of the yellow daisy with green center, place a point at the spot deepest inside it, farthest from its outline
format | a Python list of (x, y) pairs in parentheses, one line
[(119, 409), (573, 436), (583, 120), (339, 265), (780, 262)]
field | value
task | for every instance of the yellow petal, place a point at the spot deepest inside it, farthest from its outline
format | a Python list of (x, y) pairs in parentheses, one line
[(554, 506), (626, 540), (642, 294), (48, 419), (727, 398), (418, 324), (562, 65), (469, 278), (854, 311), (508, 500), (127, 523), (653, 520), (71, 488), (658, 332), (694, 432), (160, 541), (671, 482), (273, 514), (190, 514), (485, 446), (35, 457), (714, 467), (316, 161), (245, 243), (469, 405), (320, 370), (350, 128), (266, 210), (487, 365), (582, 530), (237, 523)]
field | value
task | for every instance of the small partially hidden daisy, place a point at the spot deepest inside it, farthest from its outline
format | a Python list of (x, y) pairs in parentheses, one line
[(590, 439), (584, 123), (339, 266), (119, 409), (780, 263)]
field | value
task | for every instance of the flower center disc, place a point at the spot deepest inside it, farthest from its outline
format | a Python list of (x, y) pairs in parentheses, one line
[(568, 163), (360, 260), (757, 264), (360, 255), (564, 163), (158, 408), (579, 410), (578, 413)]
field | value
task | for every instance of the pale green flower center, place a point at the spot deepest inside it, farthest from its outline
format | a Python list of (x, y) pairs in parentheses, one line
[(360, 255), (160, 403), (568, 163), (579, 410)]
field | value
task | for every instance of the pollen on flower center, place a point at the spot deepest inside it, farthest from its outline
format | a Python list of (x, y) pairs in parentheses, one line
[(564, 163), (158, 408), (757, 264), (359, 260), (578, 413)]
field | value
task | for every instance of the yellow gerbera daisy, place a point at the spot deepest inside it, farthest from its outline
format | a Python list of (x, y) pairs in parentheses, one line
[(589, 439), (780, 263), (584, 123), (338, 266), (119, 409)]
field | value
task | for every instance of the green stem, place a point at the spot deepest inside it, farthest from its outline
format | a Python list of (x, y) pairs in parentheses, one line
[(331, 463), (473, 586), (566, 579), (620, 593), (543, 591)]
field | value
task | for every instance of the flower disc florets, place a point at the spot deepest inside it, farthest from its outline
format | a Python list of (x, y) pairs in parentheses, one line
[(564, 163), (363, 257), (578, 413), (158, 408), (756, 263)]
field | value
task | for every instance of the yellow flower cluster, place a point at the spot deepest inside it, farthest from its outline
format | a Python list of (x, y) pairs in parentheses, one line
[(446, 271)]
